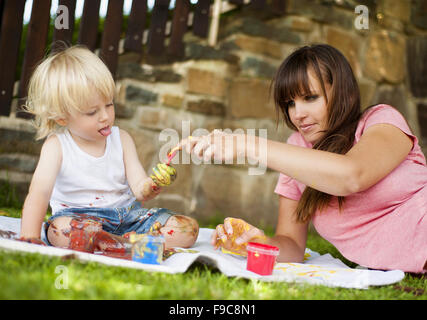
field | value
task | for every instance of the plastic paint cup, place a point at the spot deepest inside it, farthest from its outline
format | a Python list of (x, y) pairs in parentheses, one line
[(261, 258), (148, 249)]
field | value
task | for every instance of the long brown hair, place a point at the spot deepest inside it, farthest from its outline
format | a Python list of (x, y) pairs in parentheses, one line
[(343, 107)]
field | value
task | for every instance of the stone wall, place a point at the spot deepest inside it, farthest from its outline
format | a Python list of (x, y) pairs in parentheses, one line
[(228, 87)]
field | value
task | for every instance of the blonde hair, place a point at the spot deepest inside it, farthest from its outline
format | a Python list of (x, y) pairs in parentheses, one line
[(64, 82)]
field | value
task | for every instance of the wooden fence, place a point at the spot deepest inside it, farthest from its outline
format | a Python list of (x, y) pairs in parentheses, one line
[(36, 46)]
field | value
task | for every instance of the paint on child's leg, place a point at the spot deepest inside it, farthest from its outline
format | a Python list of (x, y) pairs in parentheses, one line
[(180, 231), (82, 234), (86, 235)]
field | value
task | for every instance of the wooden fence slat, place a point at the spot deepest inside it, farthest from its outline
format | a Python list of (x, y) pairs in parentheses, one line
[(11, 31), (136, 26), (279, 6), (35, 47), (237, 2), (156, 35), (89, 24), (111, 36), (1, 11), (201, 18), (61, 31), (179, 27), (257, 4)]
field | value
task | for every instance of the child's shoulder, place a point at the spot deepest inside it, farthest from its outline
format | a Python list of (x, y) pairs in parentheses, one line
[(52, 150), (124, 135), (52, 143), (126, 139)]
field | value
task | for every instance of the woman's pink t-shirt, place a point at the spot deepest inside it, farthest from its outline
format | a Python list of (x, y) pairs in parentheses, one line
[(385, 226)]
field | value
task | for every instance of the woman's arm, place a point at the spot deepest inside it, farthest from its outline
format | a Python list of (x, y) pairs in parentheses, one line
[(380, 150), (290, 235), (37, 200)]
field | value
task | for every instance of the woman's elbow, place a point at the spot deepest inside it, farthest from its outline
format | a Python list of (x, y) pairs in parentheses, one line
[(352, 181)]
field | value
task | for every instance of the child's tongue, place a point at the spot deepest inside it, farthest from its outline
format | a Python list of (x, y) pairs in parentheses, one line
[(105, 131)]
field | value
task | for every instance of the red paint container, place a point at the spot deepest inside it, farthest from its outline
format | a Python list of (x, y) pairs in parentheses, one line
[(261, 258)]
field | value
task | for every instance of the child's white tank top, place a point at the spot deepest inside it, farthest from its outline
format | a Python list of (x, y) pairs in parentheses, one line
[(86, 181)]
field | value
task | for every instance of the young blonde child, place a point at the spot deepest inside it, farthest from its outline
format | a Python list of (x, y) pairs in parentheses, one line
[(88, 170)]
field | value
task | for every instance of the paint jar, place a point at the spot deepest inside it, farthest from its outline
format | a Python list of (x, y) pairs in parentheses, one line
[(261, 258), (147, 248)]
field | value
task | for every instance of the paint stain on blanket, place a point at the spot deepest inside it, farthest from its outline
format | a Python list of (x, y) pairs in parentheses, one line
[(8, 234)]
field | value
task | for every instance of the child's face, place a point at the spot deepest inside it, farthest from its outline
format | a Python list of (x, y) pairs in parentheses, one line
[(309, 113), (94, 123)]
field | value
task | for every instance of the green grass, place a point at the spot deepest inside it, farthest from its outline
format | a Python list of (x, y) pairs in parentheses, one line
[(33, 276)]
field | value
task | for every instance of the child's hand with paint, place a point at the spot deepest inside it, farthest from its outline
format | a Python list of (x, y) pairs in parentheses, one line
[(234, 235), (149, 189), (163, 175)]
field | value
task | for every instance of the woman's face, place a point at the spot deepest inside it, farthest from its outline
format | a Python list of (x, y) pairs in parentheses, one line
[(309, 112)]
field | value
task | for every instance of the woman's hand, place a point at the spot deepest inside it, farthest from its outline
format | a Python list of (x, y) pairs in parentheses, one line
[(235, 234), (217, 145), (149, 189)]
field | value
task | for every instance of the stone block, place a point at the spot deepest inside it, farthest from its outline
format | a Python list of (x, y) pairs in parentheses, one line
[(259, 45), (208, 107), (132, 70), (18, 136), (172, 100), (394, 96), (249, 98), (146, 143), (300, 24), (123, 110), (231, 192), (256, 28), (157, 118), (259, 68), (197, 51), (138, 95), (275, 131), (385, 57), (367, 91), (349, 45), (323, 12), (18, 162), (206, 82), (395, 9)]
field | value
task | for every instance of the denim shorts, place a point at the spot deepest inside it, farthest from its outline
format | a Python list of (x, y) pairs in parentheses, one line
[(117, 221)]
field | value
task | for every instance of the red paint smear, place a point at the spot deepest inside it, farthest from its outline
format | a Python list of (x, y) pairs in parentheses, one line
[(88, 236), (170, 232)]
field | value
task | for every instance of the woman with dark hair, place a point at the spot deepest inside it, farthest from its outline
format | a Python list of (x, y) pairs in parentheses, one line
[(360, 178)]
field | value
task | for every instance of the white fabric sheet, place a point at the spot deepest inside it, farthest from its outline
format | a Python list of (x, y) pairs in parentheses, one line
[(316, 269)]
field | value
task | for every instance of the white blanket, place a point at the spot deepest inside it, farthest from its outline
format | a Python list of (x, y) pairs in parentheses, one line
[(316, 269)]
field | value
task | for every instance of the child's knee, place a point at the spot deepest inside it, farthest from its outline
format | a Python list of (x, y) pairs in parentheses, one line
[(180, 231), (58, 232)]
